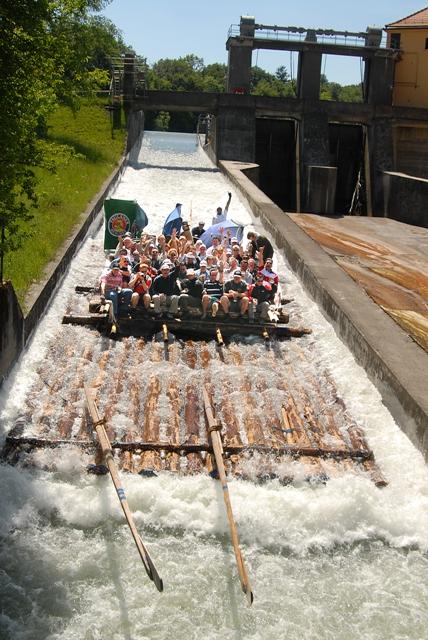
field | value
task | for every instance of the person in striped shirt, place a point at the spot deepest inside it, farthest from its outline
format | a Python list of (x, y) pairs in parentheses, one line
[(213, 295)]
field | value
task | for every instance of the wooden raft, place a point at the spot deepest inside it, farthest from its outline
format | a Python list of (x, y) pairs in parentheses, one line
[(273, 425)]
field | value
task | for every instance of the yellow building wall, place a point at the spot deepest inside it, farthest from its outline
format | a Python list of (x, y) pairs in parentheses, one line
[(411, 71)]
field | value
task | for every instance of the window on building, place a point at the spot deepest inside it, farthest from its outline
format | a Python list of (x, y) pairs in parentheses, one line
[(395, 40), (426, 43)]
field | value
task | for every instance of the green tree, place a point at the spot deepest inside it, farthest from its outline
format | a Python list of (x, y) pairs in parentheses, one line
[(180, 74), (282, 74), (268, 84), (351, 93), (40, 61), (161, 121), (214, 78)]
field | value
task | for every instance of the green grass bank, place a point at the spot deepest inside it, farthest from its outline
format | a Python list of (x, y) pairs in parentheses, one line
[(87, 150)]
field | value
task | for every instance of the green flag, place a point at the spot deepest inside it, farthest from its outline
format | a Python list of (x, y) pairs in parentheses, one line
[(119, 218)]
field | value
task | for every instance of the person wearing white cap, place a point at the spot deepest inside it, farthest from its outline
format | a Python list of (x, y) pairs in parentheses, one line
[(202, 273), (236, 293), (164, 290), (191, 261), (201, 251), (192, 291)]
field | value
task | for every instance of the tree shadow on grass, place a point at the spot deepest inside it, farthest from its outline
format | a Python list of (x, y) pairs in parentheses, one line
[(91, 153)]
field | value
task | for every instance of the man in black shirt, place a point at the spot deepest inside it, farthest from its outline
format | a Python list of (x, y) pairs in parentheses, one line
[(163, 290), (260, 293), (192, 291), (198, 231), (236, 292), (256, 242)]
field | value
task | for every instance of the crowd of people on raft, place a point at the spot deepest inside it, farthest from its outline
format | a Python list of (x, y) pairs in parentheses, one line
[(176, 272)]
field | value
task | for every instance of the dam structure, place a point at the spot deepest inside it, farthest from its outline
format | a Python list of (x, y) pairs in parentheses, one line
[(317, 156), (333, 557)]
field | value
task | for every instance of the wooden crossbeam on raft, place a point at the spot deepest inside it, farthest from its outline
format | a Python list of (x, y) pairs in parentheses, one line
[(91, 319), (184, 449)]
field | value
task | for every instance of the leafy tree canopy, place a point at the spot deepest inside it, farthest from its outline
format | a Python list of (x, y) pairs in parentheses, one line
[(50, 50)]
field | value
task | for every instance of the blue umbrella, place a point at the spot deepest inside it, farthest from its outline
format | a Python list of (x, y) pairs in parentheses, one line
[(236, 230), (173, 221)]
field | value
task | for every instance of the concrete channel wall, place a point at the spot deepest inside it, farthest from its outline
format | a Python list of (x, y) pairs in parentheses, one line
[(395, 364), (16, 328)]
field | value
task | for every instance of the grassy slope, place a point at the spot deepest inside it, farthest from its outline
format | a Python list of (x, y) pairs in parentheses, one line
[(63, 196)]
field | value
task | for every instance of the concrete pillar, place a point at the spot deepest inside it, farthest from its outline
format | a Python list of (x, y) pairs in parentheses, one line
[(381, 154), (320, 189), (239, 58), (236, 134), (239, 66), (379, 80), (309, 75)]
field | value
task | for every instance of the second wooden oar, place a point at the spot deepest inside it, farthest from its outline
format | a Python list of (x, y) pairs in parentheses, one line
[(214, 429), (98, 424)]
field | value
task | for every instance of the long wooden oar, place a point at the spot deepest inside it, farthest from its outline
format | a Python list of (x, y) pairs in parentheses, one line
[(98, 423), (214, 430)]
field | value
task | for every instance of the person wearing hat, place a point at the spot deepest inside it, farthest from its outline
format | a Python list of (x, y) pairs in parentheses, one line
[(202, 273), (186, 231), (155, 260), (111, 289), (124, 264), (192, 289), (221, 214), (260, 295), (202, 251), (191, 261), (164, 290), (198, 231), (127, 243), (140, 284), (236, 293)]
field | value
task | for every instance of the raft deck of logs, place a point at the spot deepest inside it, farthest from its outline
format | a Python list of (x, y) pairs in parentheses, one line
[(139, 322), (283, 428)]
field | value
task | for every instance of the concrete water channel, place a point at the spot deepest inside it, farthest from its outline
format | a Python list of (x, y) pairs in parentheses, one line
[(340, 559)]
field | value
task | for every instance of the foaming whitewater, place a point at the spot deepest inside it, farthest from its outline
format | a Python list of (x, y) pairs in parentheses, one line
[(344, 560)]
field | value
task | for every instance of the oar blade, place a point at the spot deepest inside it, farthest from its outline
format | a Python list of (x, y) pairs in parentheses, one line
[(248, 592), (243, 576), (150, 568)]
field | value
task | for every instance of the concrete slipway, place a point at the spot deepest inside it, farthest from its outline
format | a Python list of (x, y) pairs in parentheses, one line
[(396, 364)]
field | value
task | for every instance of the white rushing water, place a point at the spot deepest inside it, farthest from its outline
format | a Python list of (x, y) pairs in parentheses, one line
[(345, 560)]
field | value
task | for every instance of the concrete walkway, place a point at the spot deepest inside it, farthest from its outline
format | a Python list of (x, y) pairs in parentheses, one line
[(395, 363)]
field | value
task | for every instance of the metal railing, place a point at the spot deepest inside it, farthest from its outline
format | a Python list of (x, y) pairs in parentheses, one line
[(302, 34), (118, 70)]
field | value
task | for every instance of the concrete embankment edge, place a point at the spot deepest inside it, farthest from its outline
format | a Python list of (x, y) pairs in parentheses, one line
[(396, 365), (16, 328)]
